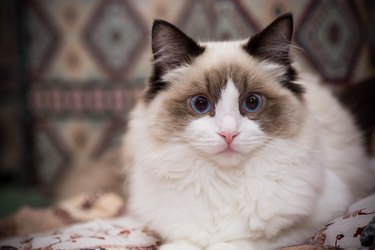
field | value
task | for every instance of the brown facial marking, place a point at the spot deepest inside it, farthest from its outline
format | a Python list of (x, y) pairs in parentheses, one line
[(215, 83), (280, 115), (280, 112), (208, 84)]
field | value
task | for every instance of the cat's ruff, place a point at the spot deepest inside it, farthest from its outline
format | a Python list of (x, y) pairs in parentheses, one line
[(294, 164)]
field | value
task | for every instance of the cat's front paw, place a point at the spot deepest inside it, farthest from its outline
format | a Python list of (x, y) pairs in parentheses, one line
[(268, 229), (180, 245), (257, 228), (256, 234), (222, 246), (233, 245)]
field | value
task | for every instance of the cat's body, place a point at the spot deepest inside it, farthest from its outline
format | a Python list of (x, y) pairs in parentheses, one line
[(213, 169)]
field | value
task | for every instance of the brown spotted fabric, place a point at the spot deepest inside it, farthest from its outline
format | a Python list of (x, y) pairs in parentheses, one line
[(104, 225)]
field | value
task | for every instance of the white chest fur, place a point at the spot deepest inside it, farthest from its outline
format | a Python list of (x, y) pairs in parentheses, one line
[(205, 204)]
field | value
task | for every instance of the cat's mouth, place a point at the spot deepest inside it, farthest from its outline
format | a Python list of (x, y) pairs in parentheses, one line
[(228, 156), (228, 151)]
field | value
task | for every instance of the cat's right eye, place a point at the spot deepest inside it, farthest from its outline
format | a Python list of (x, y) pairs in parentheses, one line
[(200, 104)]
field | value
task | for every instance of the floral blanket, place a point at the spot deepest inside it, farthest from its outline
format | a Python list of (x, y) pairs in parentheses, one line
[(99, 221)]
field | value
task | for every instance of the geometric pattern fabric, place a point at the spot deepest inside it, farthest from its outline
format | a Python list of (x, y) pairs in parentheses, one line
[(216, 22), (88, 60), (43, 37), (331, 33), (115, 34)]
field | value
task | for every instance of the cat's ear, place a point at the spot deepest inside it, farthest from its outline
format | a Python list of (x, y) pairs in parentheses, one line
[(171, 47), (273, 44), (274, 41)]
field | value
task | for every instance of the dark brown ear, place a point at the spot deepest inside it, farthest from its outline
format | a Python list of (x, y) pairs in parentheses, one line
[(171, 47), (273, 42)]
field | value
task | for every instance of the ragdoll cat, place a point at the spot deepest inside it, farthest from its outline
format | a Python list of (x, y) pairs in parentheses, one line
[(231, 148)]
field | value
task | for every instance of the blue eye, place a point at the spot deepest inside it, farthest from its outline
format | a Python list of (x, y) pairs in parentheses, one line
[(252, 103), (200, 104)]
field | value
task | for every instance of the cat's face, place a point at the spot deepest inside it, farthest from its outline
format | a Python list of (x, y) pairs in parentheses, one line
[(223, 100)]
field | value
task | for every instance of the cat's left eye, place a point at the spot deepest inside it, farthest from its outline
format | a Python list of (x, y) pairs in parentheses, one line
[(252, 103), (200, 104)]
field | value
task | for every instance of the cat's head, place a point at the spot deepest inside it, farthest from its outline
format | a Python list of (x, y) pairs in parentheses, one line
[(224, 100)]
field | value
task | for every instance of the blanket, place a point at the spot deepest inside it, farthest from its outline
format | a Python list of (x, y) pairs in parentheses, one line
[(99, 221)]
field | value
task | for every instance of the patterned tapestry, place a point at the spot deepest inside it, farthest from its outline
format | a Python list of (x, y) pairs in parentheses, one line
[(87, 60)]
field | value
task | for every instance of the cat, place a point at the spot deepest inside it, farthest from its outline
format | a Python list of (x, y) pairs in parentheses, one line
[(233, 147)]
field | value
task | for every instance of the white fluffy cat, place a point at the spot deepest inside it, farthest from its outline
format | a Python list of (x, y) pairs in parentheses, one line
[(231, 149)]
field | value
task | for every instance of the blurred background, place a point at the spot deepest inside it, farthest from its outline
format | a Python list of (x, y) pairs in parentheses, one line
[(70, 71)]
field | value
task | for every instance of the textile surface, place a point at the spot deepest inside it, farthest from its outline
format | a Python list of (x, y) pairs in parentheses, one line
[(100, 222), (87, 61)]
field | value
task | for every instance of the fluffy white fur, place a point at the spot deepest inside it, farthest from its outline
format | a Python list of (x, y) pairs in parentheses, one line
[(266, 193)]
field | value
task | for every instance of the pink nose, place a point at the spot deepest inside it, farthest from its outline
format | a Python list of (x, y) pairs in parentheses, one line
[(228, 135)]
